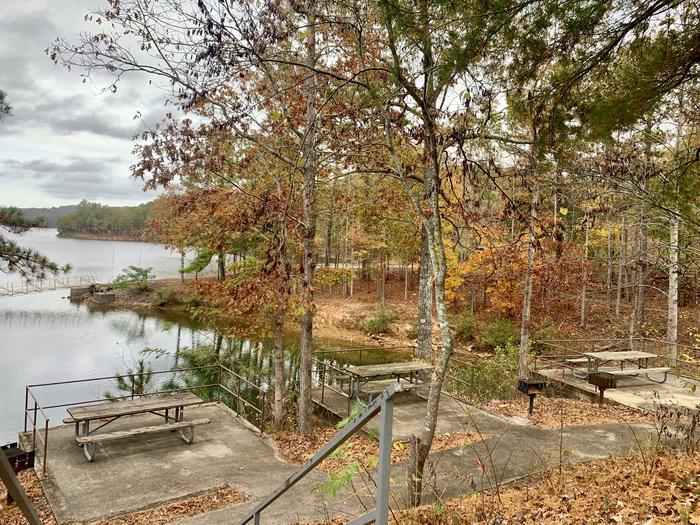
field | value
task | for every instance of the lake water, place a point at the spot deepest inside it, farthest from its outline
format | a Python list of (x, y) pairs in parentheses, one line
[(46, 338)]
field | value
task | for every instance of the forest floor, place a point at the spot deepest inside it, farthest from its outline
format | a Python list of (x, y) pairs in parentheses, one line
[(656, 488)]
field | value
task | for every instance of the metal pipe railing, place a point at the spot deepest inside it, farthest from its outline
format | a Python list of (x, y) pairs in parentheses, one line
[(33, 409)]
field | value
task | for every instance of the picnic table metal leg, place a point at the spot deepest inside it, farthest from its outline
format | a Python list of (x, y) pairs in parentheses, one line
[(167, 418)]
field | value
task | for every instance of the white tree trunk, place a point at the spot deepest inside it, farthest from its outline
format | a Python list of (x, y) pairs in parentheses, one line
[(523, 371), (672, 328)]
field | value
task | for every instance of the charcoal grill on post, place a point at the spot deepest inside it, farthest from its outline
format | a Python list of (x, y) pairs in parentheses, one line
[(603, 381), (19, 460), (531, 387)]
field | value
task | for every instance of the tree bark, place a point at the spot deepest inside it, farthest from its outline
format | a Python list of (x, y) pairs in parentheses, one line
[(672, 328), (622, 254), (425, 301), (584, 290), (309, 234), (608, 288), (329, 226), (278, 407), (221, 265), (523, 371)]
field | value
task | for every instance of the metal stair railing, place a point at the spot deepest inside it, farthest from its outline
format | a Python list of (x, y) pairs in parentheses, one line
[(383, 405)]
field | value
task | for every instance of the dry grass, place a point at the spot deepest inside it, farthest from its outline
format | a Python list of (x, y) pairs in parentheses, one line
[(547, 412)]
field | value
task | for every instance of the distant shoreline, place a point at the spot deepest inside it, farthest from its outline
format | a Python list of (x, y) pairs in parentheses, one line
[(100, 237)]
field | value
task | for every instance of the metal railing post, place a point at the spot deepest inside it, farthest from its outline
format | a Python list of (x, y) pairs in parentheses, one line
[(46, 446), (26, 406), (386, 416), (218, 384), (34, 427)]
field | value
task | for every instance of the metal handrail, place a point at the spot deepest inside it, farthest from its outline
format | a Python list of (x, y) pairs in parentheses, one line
[(31, 413), (383, 405)]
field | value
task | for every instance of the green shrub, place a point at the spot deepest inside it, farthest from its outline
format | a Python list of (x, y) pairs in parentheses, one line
[(464, 327), (501, 332), (134, 276), (380, 322), (545, 331), (412, 331), (488, 378)]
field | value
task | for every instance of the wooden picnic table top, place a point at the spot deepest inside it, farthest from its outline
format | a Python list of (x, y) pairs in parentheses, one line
[(387, 369), (619, 356), (133, 406)]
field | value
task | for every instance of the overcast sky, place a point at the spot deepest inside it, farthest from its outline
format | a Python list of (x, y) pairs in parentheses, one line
[(65, 140)]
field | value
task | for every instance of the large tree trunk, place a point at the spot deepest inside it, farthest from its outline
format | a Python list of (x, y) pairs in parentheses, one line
[(309, 237), (584, 290), (672, 327), (278, 407), (637, 316), (608, 287), (329, 226), (621, 262), (523, 372), (438, 263), (425, 301)]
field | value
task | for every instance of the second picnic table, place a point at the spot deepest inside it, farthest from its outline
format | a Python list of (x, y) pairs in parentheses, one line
[(365, 373), (634, 357)]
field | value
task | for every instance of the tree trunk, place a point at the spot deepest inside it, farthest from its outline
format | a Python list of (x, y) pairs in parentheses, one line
[(405, 282), (182, 266), (608, 289), (523, 372), (622, 254), (672, 328), (637, 316), (584, 290), (425, 301), (309, 235), (221, 265), (329, 226), (278, 407)]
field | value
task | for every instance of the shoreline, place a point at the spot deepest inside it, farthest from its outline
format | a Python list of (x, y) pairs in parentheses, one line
[(100, 237)]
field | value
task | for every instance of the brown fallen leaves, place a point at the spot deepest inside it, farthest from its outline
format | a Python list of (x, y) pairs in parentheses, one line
[(547, 412), (162, 515), (11, 515), (170, 512), (298, 449), (656, 490)]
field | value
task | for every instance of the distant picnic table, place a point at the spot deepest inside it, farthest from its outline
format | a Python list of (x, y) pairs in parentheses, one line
[(108, 412), (639, 361), (366, 373)]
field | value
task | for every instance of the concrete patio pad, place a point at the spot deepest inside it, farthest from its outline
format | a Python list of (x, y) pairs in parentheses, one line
[(137, 473), (637, 392)]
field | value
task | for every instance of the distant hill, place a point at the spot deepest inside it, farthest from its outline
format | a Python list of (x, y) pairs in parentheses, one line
[(50, 214)]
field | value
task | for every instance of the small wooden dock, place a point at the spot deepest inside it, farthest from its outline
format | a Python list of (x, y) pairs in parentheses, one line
[(337, 390)]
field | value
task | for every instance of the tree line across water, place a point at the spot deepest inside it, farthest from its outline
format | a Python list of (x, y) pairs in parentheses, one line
[(94, 220)]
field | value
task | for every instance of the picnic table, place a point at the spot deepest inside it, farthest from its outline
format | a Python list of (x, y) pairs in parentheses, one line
[(363, 374), (639, 361), (108, 412)]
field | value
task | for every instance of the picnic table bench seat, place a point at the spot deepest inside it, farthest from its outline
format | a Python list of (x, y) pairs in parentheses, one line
[(577, 360), (374, 388), (636, 371), (186, 431)]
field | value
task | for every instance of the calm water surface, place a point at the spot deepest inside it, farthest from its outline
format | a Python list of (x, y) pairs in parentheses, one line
[(46, 338)]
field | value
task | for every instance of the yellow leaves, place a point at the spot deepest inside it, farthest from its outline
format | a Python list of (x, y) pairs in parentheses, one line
[(564, 211)]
